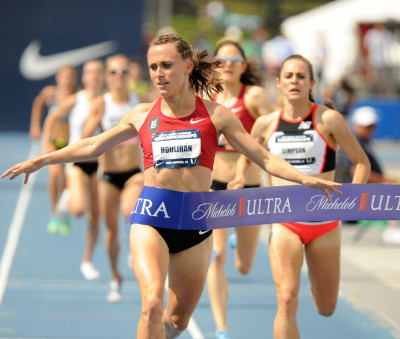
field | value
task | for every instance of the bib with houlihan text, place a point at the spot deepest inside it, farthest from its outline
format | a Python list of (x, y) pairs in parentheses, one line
[(176, 148)]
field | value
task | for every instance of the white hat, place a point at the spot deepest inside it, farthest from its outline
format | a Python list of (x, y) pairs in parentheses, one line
[(365, 116)]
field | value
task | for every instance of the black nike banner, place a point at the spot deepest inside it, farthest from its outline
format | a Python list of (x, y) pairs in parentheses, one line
[(38, 37)]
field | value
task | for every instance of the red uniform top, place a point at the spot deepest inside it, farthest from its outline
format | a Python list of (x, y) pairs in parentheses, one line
[(240, 110), (178, 142)]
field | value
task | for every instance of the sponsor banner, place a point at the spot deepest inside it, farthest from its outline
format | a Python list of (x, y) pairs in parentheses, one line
[(41, 36), (264, 205), (158, 207)]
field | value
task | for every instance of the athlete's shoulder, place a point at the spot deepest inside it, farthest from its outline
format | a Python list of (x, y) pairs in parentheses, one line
[(48, 90), (143, 108), (332, 119), (140, 111), (254, 90), (326, 112), (98, 102), (268, 118), (263, 122), (212, 106), (258, 101), (137, 115), (69, 102)]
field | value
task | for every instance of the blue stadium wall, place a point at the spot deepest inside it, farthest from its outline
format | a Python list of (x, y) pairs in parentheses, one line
[(43, 30)]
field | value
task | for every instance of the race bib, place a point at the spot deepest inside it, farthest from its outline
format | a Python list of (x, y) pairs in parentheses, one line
[(296, 149), (176, 149)]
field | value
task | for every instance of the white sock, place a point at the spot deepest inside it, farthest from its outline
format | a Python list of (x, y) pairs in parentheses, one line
[(170, 331), (62, 204)]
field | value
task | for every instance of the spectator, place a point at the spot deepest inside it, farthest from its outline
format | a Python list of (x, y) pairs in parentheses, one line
[(364, 121), (378, 41), (343, 95)]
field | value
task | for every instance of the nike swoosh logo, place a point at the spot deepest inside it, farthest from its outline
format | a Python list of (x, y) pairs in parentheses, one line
[(195, 121), (236, 109), (202, 232), (34, 66)]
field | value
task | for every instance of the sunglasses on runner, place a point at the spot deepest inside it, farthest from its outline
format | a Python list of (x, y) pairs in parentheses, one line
[(114, 71), (234, 59)]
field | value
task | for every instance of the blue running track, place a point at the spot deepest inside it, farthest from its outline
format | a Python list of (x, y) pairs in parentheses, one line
[(43, 294)]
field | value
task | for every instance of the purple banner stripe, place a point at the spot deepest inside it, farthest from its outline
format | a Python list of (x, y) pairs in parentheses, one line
[(264, 205)]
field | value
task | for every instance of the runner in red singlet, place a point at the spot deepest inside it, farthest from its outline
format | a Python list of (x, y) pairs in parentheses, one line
[(179, 74)]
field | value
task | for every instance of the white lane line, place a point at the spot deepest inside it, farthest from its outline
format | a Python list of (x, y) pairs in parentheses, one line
[(193, 329), (16, 224)]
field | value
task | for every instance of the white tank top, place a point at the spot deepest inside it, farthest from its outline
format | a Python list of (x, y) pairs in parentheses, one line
[(113, 112), (302, 145), (78, 116)]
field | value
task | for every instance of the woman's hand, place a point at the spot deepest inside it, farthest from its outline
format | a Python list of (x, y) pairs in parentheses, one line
[(321, 184), (27, 167), (236, 183)]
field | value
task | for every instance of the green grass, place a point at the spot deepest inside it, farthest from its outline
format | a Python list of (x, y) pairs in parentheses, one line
[(191, 24)]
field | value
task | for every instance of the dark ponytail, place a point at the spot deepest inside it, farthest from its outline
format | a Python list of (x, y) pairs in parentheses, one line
[(204, 80)]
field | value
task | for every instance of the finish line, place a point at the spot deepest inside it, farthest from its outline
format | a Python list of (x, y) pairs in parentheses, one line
[(264, 205)]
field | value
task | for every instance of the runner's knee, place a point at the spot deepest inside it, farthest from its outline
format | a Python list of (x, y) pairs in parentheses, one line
[(287, 303), (152, 310), (181, 321), (325, 305), (244, 266), (326, 309), (76, 207), (220, 259)]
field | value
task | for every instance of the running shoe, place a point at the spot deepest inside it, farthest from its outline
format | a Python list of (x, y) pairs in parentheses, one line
[(63, 214), (379, 223), (232, 240), (374, 223), (222, 335), (391, 236), (65, 226), (52, 226), (89, 271), (114, 293), (364, 223)]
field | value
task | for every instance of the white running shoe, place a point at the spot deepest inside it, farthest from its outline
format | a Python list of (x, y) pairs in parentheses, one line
[(391, 236), (89, 271), (114, 293)]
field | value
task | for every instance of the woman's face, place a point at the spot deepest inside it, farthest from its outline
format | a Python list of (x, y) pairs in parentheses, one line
[(232, 62), (66, 77), (117, 73), (294, 82), (93, 75), (169, 72)]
